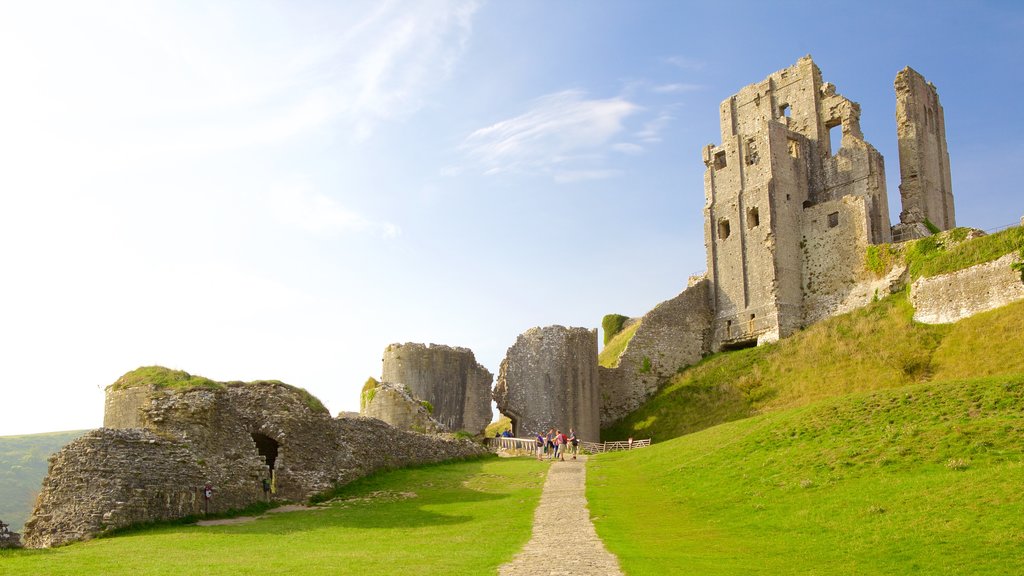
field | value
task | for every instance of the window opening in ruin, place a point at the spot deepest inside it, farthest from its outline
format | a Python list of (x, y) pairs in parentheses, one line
[(835, 137), (723, 229), (752, 156), (750, 326), (728, 328), (794, 147), (833, 220), (267, 447), (752, 218), (719, 160), (787, 196), (785, 111), (807, 204)]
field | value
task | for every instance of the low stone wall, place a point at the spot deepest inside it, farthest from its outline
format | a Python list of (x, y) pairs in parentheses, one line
[(672, 335), (113, 478), (951, 297)]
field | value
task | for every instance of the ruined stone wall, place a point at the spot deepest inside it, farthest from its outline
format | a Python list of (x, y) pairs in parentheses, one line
[(549, 379), (111, 478), (123, 408), (673, 335), (951, 297), (448, 377), (392, 403), (925, 184), (8, 539)]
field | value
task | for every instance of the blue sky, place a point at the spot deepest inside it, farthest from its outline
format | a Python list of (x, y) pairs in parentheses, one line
[(270, 190)]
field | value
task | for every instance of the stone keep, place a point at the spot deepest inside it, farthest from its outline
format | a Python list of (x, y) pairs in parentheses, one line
[(449, 378), (549, 379), (788, 218)]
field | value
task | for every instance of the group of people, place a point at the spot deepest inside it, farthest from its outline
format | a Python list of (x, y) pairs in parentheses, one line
[(555, 444)]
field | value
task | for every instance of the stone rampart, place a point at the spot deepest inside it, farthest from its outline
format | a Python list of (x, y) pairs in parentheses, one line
[(230, 437), (951, 297), (672, 335), (549, 379), (458, 388)]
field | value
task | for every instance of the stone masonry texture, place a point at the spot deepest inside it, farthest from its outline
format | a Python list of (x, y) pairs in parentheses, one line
[(951, 297), (180, 441), (458, 388), (549, 379), (393, 404), (671, 336)]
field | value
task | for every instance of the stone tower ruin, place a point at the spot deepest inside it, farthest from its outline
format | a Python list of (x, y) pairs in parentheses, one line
[(788, 218)]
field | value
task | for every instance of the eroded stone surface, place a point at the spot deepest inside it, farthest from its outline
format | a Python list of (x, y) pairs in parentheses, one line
[(671, 336), (449, 378), (549, 379), (227, 438), (951, 297), (392, 403)]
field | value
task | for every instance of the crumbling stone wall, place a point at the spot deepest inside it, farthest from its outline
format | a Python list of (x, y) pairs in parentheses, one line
[(111, 478), (673, 335), (549, 379), (392, 403), (458, 388), (951, 297), (8, 539), (925, 184)]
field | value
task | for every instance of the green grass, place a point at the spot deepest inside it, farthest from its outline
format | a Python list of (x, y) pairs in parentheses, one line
[(944, 252), (465, 518), (498, 426), (609, 356), (23, 465), (923, 479), (874, 348)]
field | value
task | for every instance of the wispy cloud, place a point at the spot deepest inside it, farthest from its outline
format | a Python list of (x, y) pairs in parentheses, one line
[(652, 129), (686, 62), (557, 131), (318, 214), (677, 88), (569, 176), (628, 148)]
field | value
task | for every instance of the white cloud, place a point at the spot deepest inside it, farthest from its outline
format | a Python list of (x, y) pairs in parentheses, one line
[(628, 148), (677, 88), (686, 62), (569, 176), (320, 215), (558, 129), (651, 132)]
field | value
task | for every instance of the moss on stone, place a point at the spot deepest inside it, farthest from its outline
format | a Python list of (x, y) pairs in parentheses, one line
[(612, 324), (163, 378), (368, 392)]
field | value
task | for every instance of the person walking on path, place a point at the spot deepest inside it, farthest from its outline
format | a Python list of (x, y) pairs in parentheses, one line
[(575, 442)]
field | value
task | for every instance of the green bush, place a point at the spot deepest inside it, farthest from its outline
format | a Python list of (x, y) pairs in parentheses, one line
[(612, 324)]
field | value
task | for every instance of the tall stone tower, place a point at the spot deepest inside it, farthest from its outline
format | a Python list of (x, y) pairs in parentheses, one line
[(774, 186), (925, 184)]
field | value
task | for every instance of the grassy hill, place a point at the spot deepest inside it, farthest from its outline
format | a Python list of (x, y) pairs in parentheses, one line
[(454, 519), (921, 479), (23, 462), (877, 347)]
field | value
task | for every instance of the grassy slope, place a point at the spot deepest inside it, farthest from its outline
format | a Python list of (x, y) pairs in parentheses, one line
[(451, 527), (874, 348), (23, 463), (921, 479), (609, 356)]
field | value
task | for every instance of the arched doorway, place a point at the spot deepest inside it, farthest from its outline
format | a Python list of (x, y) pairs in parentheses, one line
[(267, 447)]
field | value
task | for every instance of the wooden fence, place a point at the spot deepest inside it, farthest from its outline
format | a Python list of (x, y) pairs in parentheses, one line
[(528, 445)]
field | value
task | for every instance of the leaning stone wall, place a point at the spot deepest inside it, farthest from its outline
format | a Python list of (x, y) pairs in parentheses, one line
[(951, 297), (549, 379), (673, 335), (392, 404), (450, 378)]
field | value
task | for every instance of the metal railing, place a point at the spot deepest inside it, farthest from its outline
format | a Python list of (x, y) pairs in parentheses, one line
[(529, 445)]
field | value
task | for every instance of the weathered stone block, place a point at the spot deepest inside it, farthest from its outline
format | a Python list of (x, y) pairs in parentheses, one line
[(549, 379)]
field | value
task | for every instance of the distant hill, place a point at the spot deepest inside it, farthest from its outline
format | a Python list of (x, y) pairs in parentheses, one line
[(23, 462)]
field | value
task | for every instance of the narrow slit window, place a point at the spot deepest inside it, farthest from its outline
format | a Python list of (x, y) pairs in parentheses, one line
[(723, 229), (753, 219), (833, 220)]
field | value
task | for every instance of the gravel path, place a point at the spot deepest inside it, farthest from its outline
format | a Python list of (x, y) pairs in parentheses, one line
[(564, 540)]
